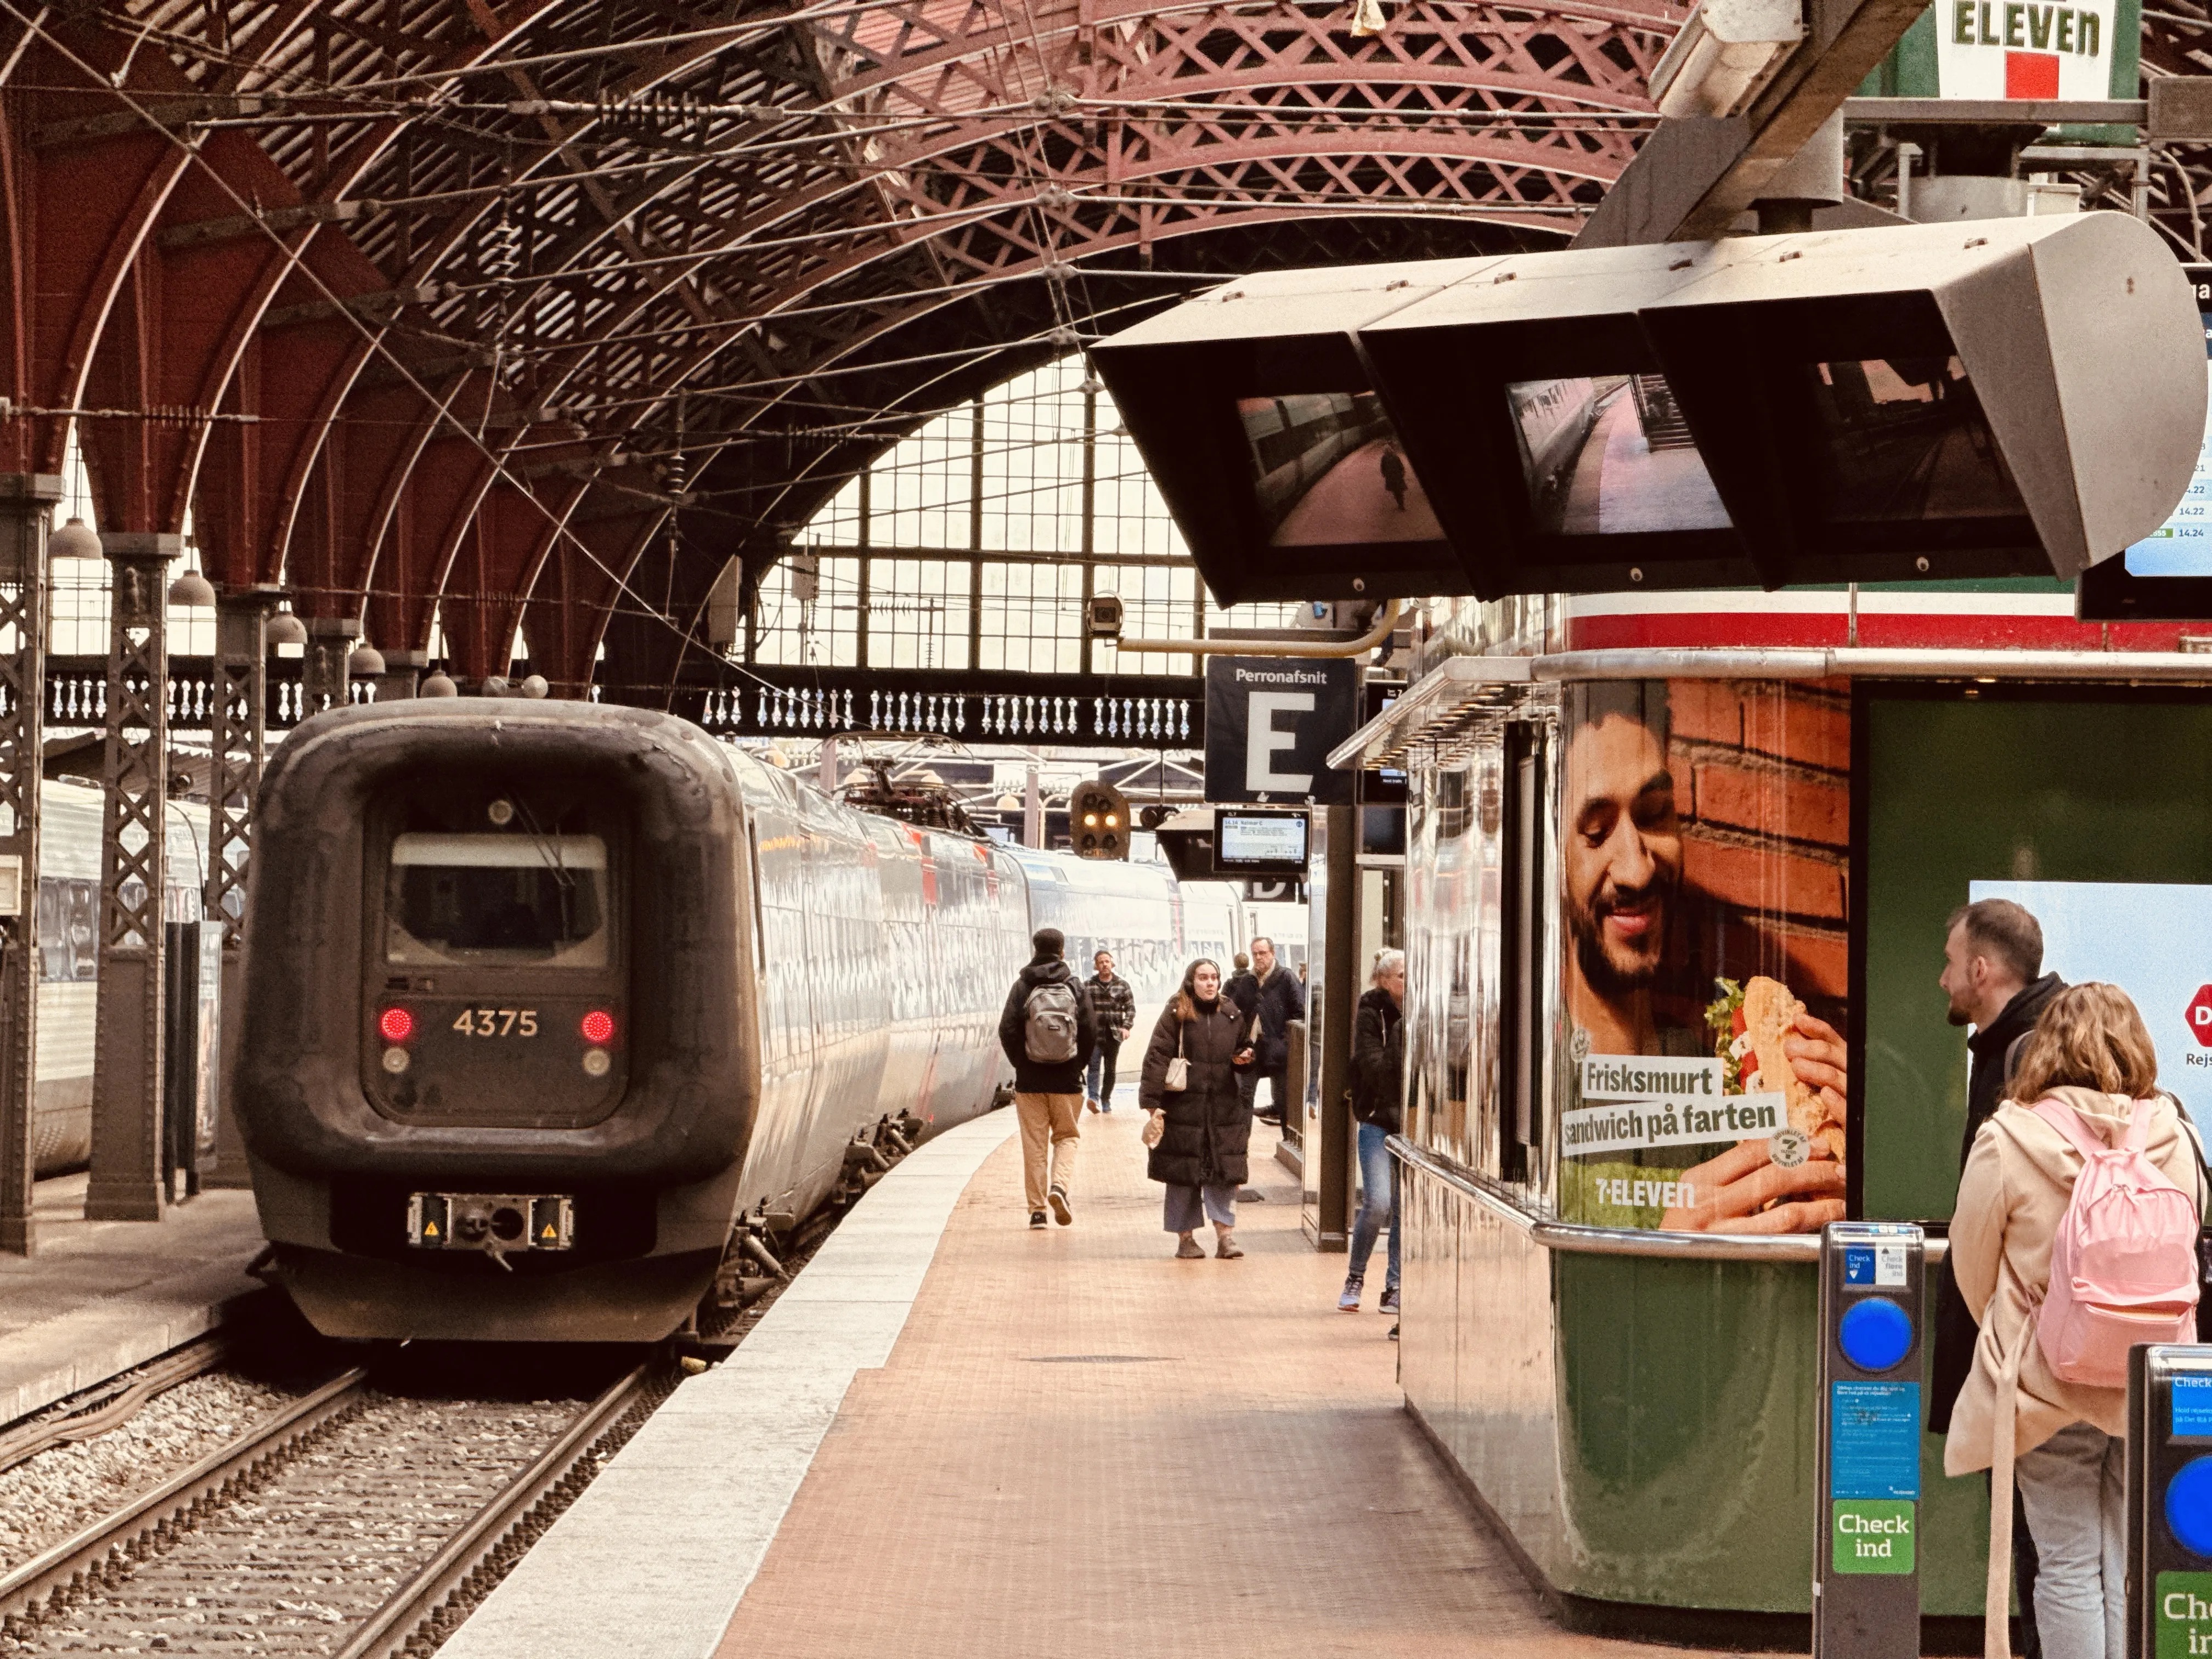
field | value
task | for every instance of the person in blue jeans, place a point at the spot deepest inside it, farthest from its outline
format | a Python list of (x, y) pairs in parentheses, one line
[(1378, 1087)]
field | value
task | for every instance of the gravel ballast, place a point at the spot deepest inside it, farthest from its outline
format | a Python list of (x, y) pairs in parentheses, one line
[(56, 1493)]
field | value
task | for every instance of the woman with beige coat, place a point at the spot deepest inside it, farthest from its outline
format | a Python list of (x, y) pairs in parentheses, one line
[(2064, 1441)]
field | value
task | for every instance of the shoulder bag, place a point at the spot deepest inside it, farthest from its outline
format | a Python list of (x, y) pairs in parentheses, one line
[(1178, 1075)]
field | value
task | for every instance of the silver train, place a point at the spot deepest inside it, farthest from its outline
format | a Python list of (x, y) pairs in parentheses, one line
[(67, 926), (598, 1006)]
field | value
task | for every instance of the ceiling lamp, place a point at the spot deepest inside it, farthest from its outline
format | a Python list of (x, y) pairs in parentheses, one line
[(285, 628), (74, 540), (438, 684), (367, 660), (192, 591), (535, 686), (494, 685)]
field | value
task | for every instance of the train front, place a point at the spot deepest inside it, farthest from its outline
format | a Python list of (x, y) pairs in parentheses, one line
[(494, 1076)]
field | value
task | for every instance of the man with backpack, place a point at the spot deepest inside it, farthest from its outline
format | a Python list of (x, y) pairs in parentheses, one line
[(1049, 1032)]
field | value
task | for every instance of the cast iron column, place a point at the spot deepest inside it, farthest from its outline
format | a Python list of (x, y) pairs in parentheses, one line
[(25, 503), (324, 681), (238, 725), (127, 1179)]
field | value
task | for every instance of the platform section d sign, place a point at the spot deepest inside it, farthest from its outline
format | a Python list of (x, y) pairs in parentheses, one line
[(1270, 724)]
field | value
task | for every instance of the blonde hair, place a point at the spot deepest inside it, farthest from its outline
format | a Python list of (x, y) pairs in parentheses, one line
[(2089, 1037)]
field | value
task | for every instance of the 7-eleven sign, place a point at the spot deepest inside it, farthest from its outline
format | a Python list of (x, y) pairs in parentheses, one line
[(2020, 49)]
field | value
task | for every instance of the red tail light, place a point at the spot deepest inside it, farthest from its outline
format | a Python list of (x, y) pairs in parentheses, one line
[(599, 1026), (396, 1025)]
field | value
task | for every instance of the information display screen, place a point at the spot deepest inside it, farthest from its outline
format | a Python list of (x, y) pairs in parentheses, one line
[(1328, 471), (2192, 1406), (2182, 546), (1274, 841), (1611, 455)]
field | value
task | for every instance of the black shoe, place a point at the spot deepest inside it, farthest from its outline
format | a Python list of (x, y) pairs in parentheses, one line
[(1393, 1332), (1036, 1220), (1389, 1303), (1271, 1119), (1058, 1198)]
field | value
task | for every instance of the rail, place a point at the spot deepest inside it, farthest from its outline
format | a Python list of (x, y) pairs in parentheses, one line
[(108, 1543), (391, 1628), (1571, 1238)]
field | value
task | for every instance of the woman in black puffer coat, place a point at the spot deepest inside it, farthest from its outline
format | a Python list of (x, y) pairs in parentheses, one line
[(1205, 1125)]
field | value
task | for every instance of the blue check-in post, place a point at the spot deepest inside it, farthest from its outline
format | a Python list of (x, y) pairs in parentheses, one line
[(2169, 1501), (1866, 1569)]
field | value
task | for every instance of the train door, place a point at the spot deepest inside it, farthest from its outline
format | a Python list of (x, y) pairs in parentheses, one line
[(1526, 949)]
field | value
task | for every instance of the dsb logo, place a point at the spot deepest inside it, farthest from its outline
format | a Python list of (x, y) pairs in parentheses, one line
[(2200, 1016)]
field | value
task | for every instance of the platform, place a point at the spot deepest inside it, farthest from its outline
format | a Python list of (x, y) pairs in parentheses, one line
[(954, 1437), (101, 1297)]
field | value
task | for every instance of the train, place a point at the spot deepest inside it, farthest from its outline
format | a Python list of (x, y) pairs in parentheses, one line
[(597, 1007), (66, 917), (1296, 441), (1553, 419)]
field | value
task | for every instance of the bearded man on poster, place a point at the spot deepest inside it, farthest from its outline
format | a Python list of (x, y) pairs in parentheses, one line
[(1624, 890)]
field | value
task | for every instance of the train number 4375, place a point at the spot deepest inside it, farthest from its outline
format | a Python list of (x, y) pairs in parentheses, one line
[(496, 1022)]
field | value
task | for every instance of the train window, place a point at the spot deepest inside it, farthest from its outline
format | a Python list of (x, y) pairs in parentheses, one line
[(68, 945), (479, 898)]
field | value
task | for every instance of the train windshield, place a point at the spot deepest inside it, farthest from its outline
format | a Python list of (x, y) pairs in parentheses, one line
[(497, 899)]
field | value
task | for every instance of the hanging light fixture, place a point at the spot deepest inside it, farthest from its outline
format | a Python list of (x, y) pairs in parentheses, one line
[(285, 628), (367, 660), (191, 589), (534, 685), (494, 685), (74, 540), (437, 684)]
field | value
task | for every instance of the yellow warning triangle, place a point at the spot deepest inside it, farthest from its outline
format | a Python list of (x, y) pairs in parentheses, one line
[(430, 1230), (548, 1232)]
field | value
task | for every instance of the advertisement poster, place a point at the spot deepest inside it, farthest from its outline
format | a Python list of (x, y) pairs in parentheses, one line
[(2153, 940), (1704, 833)]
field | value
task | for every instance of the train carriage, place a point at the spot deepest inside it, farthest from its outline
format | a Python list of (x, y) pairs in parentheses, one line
[(595, 998)]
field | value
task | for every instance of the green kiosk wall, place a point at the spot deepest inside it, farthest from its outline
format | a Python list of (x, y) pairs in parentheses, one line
[(1990, 783)]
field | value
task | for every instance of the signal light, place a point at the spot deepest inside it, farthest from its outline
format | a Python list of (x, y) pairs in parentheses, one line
[(1097, 811), (599, 1026), (396, 1025)]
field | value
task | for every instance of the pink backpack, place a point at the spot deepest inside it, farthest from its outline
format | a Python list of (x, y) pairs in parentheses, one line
[(2124, 1261)]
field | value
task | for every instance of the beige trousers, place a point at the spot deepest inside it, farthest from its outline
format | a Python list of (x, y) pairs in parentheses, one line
[(1051, 1124)]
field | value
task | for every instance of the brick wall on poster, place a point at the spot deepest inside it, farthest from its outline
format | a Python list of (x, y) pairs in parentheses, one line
[(1762, 781)]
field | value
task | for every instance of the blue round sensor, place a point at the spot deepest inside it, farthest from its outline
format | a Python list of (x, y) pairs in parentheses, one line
[(1877, 1333), (2188, 1507)]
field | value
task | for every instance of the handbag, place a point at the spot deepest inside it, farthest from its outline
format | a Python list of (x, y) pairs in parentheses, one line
[(1178, 1077)]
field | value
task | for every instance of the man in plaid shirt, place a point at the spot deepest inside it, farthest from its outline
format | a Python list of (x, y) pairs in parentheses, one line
[(1114, 1006)]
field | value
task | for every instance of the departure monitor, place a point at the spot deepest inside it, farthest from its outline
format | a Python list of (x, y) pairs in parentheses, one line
[(1260, 843), (2168, 575)]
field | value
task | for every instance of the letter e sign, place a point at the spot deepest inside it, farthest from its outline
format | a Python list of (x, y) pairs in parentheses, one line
[(1270, 724)]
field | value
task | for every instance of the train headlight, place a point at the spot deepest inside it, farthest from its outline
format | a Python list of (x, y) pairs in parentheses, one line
[(596, 1062), (500, 812), (397, 1060), (395, 1025), (599, 1026)]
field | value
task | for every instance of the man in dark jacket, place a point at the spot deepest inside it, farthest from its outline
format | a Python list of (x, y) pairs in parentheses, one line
[(1278, 1001), (1049, 1032), (1993, 974), (1378, 1088), (1243, 991)]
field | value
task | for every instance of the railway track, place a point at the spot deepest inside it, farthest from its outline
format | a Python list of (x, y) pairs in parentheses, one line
[(353, 1523)]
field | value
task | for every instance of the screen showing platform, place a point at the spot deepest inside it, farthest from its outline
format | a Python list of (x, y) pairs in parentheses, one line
[(1907, 439), (1610, 455), (1328, 471)]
